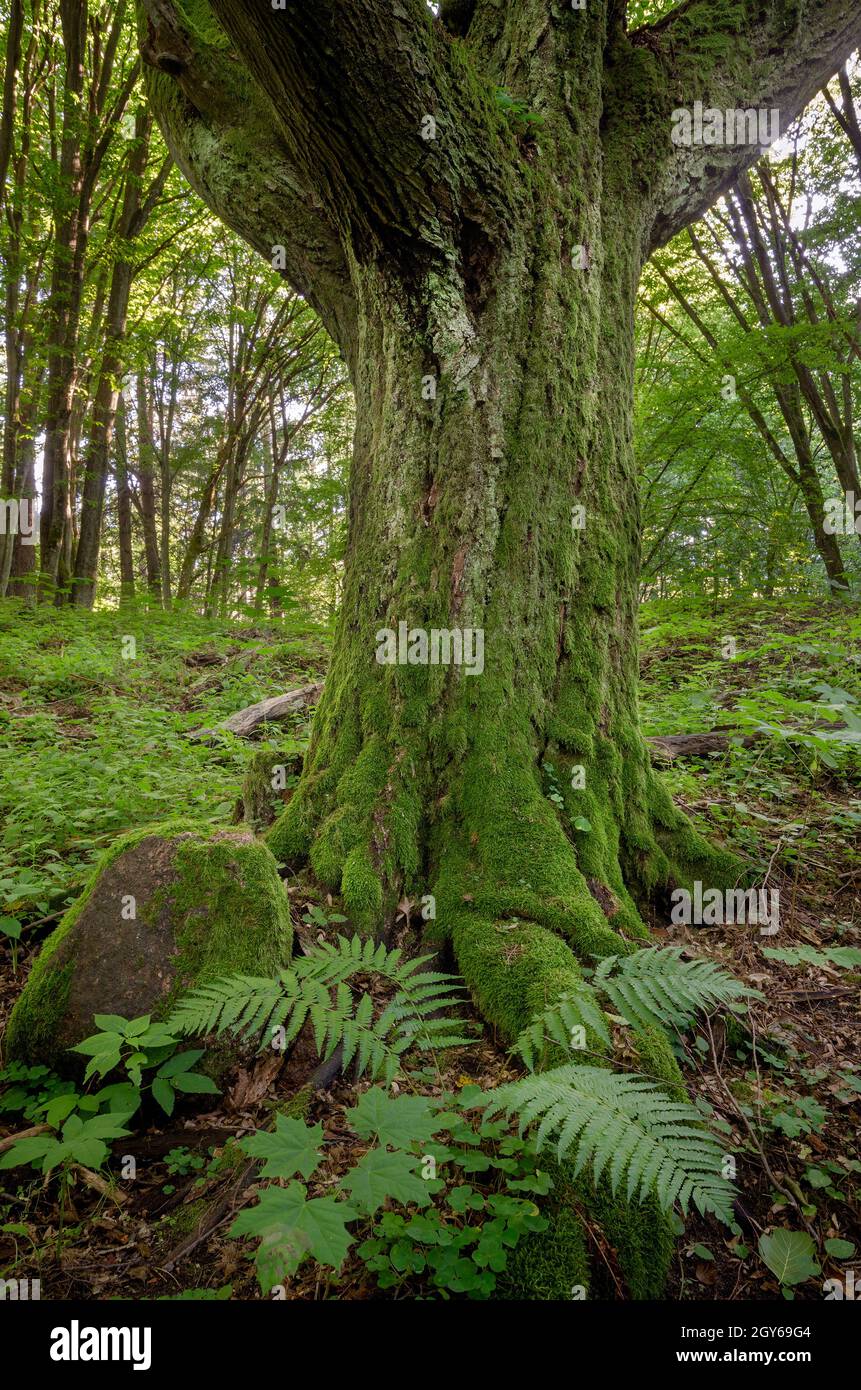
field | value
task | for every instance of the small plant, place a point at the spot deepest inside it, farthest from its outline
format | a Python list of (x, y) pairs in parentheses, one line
[(79, 1142), (624, 1127), (11, 927), (446, 1232), (314, 916), (180, 1162), (137, 1045), (517, 112), (315, 989), (845, 957)]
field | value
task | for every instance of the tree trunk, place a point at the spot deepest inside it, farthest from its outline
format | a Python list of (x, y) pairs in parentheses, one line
[(124, 510), (146, 478), (99, 444), (70, 239), (465, 515), (480, 280)]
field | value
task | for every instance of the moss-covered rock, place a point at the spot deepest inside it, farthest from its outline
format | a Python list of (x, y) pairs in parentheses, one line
[(166, 908)]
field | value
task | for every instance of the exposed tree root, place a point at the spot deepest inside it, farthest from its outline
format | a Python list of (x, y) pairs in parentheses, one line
[(527, 890)]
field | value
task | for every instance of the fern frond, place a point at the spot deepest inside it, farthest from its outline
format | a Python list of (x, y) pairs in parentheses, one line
[(577, 1007), (626, 1128), (655, 986), (316, 990), (229, 1004)]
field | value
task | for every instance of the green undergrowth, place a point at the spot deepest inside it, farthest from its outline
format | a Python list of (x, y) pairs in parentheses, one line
[(94, 743), (787, 672)]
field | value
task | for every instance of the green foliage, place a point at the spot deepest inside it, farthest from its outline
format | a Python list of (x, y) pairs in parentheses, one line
[(79, 1141), (575, 1008), (105, 739), (277, 1009), (654, 987), (627, 1129), (139, 1045), (294, 1147), (516, 112), (846, 957), (648, 988), (789, 1256), (448, 1235)]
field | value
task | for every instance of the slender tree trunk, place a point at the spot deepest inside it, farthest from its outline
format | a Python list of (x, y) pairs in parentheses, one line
[(99, 444), (270, 499), (124, 510), (64, 307), (146, 478), (22, 558), (194, 548)]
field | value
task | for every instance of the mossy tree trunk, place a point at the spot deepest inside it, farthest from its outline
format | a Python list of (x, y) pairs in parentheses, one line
[(468, 200), (506, 503)]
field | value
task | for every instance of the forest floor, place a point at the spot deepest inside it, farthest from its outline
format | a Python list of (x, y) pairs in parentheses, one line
[(94, 741)]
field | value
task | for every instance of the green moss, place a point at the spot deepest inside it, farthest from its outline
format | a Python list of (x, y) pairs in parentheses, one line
[(226, 910), (641, 1235), (235, 913), (298, 1105), (362, 889), (32, 1028), (551, 1265), (261, 802)]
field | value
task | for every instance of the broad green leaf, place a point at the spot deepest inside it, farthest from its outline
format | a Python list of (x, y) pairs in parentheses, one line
[(99, 1045), (840, 1249), (789, 1255), (28, 1150), (293, 1148), (290, 1227), (396, 1120), (183, 1061), (164, 1094), (195, 1083), (59, 1109), (379, 1175)]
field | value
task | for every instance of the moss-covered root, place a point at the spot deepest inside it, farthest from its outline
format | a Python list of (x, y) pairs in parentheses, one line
[(514, 971)]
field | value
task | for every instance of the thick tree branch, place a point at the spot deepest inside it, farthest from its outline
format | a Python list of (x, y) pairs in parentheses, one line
[(224, 135), (355, 85), (748, 55)]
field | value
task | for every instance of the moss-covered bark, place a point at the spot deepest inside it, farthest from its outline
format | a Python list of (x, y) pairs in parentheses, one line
[(470, 202), (428, 779)]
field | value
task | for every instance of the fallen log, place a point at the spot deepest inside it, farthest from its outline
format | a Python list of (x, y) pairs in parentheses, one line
[(668, 747), (271, 711)]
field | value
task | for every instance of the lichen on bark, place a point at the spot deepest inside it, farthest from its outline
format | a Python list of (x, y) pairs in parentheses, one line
[(480, 273)]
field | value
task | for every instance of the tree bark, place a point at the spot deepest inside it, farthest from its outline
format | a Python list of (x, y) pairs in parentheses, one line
[(146, 479), (481, 285), (124, 510), (136, 209), (83, 149)]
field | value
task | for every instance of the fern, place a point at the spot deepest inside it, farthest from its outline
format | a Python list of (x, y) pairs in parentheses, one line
[(627, 1128), (653, 987), (316, 990), (577, 1007), (649, 988)]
